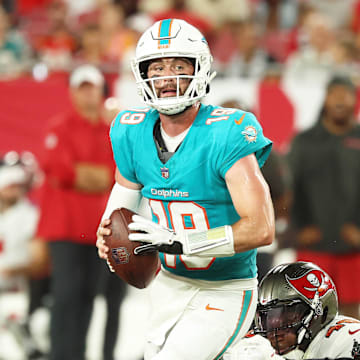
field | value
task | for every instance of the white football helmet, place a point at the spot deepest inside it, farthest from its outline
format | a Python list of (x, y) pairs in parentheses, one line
[(173, 38)]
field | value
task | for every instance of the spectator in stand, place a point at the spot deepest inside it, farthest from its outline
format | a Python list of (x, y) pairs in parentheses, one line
[(345, 55), (130, 7), (339, 11), (115, 36), (314, 60), (57, 43), (78, 166), (324, 164), (215, 13), (91, 50), (178, 10), (249, 59), (279, 19), (14, 51)]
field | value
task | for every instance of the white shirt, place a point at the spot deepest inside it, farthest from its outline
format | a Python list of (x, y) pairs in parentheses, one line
[(17, 227), (339, 339)]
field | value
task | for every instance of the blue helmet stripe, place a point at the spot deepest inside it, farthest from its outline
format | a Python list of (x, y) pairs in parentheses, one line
[(164, 31)]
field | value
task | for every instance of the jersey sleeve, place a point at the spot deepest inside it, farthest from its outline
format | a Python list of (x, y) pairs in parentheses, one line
[(121, 142), (244, 137)]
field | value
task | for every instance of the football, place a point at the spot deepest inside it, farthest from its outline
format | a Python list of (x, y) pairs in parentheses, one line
[(136, 270)]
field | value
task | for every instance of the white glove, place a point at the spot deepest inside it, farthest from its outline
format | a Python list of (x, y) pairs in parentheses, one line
[(216, 242), (253, 348), (156, 236)]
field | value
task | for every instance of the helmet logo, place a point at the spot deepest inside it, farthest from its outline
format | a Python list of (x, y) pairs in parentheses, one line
[(312, 285)]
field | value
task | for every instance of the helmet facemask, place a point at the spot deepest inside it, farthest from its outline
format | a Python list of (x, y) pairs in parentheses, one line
[(197, 88), (284, 324)]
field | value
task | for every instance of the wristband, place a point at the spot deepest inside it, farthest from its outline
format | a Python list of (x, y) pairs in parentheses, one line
[(216, 242)]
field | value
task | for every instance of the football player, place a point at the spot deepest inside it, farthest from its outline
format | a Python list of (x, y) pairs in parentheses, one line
[(199, 166), (297, 318)]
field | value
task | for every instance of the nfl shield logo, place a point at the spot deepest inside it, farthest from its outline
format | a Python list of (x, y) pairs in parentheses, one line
[(164, 172), (120, 255)]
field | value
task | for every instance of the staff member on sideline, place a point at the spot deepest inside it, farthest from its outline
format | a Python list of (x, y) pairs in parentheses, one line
[(78, 164)]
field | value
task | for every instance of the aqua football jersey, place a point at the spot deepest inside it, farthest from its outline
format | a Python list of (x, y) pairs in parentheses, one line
[(188, 192)]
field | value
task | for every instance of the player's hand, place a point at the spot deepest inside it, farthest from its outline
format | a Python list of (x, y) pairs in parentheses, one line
[(351, 235), (155, 237), (309, 235), (255, 348), (103, 250)]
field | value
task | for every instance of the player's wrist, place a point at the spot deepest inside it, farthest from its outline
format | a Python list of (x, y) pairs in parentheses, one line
[(216, 242)]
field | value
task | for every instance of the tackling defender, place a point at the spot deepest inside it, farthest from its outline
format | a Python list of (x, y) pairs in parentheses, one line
[(298, 313), (199, 166)]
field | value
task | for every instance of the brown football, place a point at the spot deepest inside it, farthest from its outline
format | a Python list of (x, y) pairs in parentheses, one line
[(136, 270)]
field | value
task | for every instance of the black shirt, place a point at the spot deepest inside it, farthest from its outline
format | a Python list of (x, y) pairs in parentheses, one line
[(325, 170)]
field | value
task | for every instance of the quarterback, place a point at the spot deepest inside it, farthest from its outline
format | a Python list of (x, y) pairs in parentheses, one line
[(297, 318), (199, 166)]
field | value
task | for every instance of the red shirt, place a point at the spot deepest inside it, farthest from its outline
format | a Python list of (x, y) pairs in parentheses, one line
[(67, 213)]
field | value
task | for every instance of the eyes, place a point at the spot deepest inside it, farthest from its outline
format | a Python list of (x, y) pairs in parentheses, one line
[(179, 68), (160, 67)]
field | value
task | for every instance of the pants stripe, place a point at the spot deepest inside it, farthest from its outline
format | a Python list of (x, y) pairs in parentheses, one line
[(245, 306)]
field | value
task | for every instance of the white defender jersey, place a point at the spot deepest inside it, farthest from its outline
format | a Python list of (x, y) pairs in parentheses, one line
[(17, 227), (339, 339)]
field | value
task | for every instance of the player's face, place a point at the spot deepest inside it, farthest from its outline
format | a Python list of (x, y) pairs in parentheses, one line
[(281, 324), (170, 67), (282, 340)]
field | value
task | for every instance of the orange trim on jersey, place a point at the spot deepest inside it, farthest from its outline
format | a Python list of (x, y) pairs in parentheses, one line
[(192, 221), (197, 268)]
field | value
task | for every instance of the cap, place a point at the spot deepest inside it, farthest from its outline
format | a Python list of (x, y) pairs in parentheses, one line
[(86, 73)]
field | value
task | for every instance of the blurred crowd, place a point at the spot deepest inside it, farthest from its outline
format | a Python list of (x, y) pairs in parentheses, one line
[(305, 39), (316, 197)]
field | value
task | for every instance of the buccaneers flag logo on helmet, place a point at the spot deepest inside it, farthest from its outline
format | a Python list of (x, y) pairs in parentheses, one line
[(311, 284)]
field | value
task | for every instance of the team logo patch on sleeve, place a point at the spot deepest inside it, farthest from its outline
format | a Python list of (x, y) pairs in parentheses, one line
[(250, 134)]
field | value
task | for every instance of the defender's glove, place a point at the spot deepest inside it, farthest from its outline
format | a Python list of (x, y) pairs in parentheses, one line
[(254, 348), (215, 242)]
